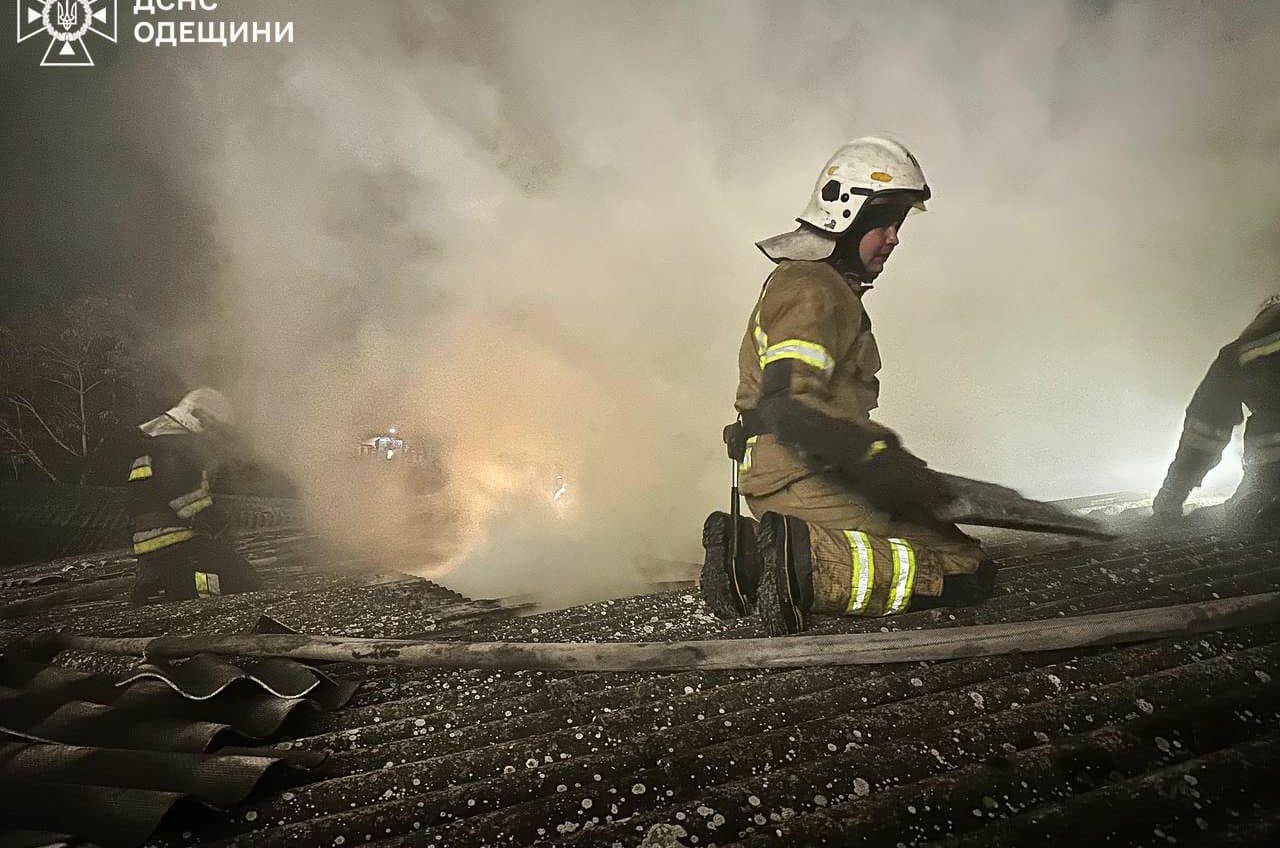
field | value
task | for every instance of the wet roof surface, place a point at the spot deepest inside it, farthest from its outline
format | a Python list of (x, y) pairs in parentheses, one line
[(1155, 743)]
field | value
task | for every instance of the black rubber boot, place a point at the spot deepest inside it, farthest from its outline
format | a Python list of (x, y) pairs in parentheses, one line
[(149, 585), (1252, 511), (729, 589), (964, 590), (786, 577), (146, 592)]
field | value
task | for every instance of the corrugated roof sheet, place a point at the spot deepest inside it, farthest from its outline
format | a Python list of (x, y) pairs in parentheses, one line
[(1141, 744), (103, 749), (105, 758)]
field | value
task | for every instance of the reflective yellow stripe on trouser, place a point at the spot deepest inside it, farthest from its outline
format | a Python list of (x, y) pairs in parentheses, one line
[(864, 569), (146, 541), (207, 584), (1204, 437), (904, 576)]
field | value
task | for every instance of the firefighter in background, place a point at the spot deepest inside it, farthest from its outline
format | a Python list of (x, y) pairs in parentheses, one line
[(184, 543), (1245, 374), (845, 512)]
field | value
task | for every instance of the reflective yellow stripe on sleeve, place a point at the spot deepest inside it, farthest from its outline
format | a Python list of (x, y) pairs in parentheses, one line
[(761, 339), (1264, 346), (1262, 455), (194, 507), (904, 576), (1264, 440), (809, 353), (864, 569), (745, 465), (876, 447), (192, 502), (141, 469)]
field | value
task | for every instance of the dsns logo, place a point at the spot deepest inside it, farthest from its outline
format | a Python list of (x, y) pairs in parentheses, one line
[(67, 23)]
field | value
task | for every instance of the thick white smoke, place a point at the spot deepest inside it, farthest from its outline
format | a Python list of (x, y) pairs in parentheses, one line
[(525, 230)]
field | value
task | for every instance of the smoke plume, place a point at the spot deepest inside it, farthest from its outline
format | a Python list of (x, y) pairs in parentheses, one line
[(522, 233)]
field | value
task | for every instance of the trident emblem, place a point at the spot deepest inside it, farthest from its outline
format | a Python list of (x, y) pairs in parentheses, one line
[(67, 24), (68, 14)]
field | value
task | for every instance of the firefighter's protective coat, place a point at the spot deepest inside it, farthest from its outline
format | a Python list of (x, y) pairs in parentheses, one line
[(808, 313), (865, 562), (1246, 373), (179, 535)]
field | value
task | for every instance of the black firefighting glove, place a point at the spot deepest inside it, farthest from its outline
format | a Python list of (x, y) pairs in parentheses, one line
[(871, 460), (1185, 473), (215, 523), (735, 441), (896, 481)]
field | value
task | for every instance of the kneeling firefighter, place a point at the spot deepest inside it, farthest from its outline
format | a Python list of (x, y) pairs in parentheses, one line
[(1245, 373), (845, 512), (183, 540)]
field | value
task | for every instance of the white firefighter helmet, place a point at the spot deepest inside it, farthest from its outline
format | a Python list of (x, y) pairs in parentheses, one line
[(198, 410), (863, 169)]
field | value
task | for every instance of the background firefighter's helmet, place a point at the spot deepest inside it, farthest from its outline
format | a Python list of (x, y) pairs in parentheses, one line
[(863, 169), (198, 411)]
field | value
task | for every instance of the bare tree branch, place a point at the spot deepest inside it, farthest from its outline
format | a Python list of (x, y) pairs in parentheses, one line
[(64, 385), (18, 400), (17, 438), (77, 380), (84, 419)]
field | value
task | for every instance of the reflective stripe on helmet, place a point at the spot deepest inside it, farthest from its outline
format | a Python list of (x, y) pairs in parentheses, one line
[(904, 576), (863, 575), (809, 353), (147, 541)]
